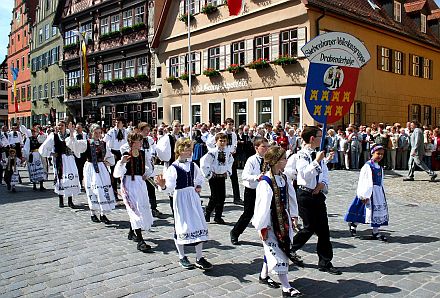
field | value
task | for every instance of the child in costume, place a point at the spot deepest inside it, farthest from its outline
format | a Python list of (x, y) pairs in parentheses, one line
[(12, 176)]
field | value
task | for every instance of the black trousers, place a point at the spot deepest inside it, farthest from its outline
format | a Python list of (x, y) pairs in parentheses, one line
[(151, 195), (313, 212), (114, 180), (234, 181), (80, 166), (1, 173), (248, 212), (217, 198)]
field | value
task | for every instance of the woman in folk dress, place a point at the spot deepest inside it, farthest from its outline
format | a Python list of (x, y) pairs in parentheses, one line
[(37, 166), (184, 180)]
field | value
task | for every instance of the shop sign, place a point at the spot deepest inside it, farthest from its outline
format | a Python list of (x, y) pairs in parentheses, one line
[(222, 87)]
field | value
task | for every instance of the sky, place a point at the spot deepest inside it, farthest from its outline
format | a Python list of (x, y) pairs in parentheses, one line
[(6, 7)]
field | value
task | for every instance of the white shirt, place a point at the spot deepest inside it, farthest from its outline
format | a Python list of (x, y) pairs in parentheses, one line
[(15, 139), (251, 171), (210, 141), (210, 165), (309, 169), (233, 146), (111, 138), (290, 169)]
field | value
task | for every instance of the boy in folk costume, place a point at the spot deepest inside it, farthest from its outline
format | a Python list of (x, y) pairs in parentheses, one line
[(370, 205), (275, 215), (252, 173), (97, 182), (216, 166), (183, 179), (37, 165), (65, 170), (12, 176), (133, 171)]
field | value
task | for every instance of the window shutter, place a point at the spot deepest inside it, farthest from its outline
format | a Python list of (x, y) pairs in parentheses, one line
[(392, 60), (222, 57), (167, 66), (403, 63), (379, 57), (227, 55), (431, 68), (205, 60), (249, 46), (197, 4), (182, 7), (197, 70), (410, 64), (181, 65), (421, 63), (302, 39), (274, 46)]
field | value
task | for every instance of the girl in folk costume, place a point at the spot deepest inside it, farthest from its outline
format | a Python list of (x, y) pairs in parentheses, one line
[(12, 176), (37, 166), (184, 179), (275, 215), (97, 180), (370, 205), (65, 170), (133, 171)]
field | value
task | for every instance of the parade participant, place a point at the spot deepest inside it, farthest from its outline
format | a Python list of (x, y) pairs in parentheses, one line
[(4, 151), (199, 146), (183, 179), (115, 138), (251, 175), (417, 151), (312, 177), (231, 147), (37, 165), (64, 167), (216, 166), (97, 182), (370, 205), (12, 176), (80, 135), (15, 140), (133, 171), (276, 212)]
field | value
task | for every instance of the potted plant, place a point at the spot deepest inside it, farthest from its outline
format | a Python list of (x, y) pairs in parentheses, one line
[(184, 17), (235, 68), (138, 26), (126, 30), (209, 8), (172, 79), (284, 60), (260, 63), (211, 72), (73, 89), (185, 76)]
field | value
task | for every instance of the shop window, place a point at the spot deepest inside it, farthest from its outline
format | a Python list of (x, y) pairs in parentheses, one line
[(240, 112), (196, 114), (176, 113), (414, 112), (264, 111), (215, 112)]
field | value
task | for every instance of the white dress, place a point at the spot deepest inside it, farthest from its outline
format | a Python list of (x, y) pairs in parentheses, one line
[(277, 260), (135, 196), (189, 221), (38, 167), (68, 184)]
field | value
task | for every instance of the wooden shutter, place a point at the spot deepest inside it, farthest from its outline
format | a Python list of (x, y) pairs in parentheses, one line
[(197, 66), (249, 52), (392, 60), (403, 63), (181, 65), (205, 60), (197, 6), (182, 7), (222, 58), (227, 55), (302, 39), (431, 69), (421, 66), (274, 46), (410, 64), (379, 57)]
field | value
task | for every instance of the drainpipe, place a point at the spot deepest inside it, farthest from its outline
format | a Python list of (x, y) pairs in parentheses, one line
[(318, 19)]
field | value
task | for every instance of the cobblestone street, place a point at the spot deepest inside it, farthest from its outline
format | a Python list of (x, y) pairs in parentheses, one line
[(47, 251)]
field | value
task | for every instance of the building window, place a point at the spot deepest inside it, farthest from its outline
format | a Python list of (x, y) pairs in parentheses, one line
[(46, 32), (289, 43), (46, 90), (427, 112), (73, 78), (414, 113), (70, 37), (127, 18), (22, 63), (142, 66), (159, 72), (40, 92), (40, 36), (355, 114), (214, 2), (52, 89), (87, 28), (176, 113), (415, 65), (34, 92), (139, 15), (174, 67), (117, 70), (18, 64), (107, 72), (423, 23), (18, 37), (29, 92), (264, 111), (262, 47), (129, 68), (427, 68), (196, 114), (61, 87), (398, 62), (397, 11), (43, 60), (23, 93), (92, 76), (114, 23), (104, 26), (54, 31), (195, 62), (238, 53), (214, 58), (192, 6), (240, 112), (55, 54), (385, 59)]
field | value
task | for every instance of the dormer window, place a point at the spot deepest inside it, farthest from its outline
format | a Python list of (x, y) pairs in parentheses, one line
[(397, 11), (423, 23)]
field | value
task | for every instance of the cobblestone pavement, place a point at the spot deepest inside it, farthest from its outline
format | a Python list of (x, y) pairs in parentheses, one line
[(46, 251)]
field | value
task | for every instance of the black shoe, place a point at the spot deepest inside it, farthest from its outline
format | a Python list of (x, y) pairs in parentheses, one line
[(331, 270), (408, 179), (292, 293), (296, 259), (8, 187), (219, 221), (207, 217), (238, 202), (43, 188), (352, 228), (34, 188), (234, 239), (104, 219), (137, 239), (61, 203), (94, 218), (13, 189), (203, 264), (131, 235), (144, 247), (379, 236), (157, 213), (433, 177), (185, 263), (268, 281), (70, 203)]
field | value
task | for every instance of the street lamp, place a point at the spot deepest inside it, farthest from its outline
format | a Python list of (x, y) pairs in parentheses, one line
[(81, 40)]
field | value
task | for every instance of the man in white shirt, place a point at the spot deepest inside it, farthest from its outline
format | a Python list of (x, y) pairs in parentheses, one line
[(232, 148), (15, 140)]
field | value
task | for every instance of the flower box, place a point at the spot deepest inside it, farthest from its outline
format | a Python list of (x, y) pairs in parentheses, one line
[(185, 76), (71, 46), (259, 64), (284, 60), (139, 26), (126, 30), (118, 82), (209, 9), (235, 68), (172, 79), (211, 72), (184, 17), (110, 35), (73, 89), (106, 83)]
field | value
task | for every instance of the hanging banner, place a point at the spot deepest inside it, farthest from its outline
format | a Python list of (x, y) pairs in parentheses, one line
[(335, 61)]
